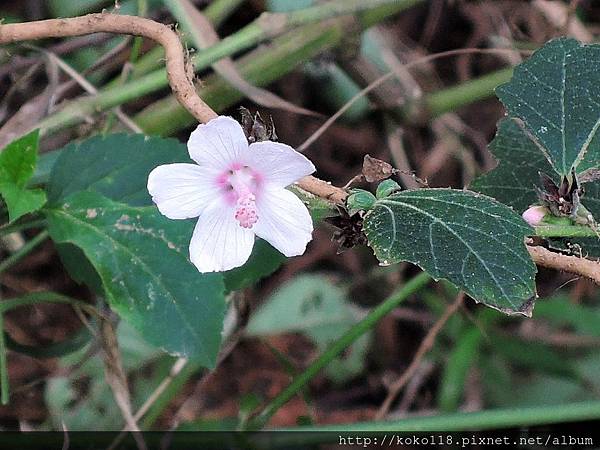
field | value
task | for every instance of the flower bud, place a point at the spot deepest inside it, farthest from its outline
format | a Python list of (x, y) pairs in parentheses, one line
[(359, 200), (386, 188), (535, 214)]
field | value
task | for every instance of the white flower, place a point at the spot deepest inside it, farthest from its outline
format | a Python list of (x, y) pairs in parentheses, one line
[(237, 191)]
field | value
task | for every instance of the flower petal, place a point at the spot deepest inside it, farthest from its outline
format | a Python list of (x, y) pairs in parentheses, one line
[(279, 164), (217, 143), (283, 221), (181, 190), (219, 243)]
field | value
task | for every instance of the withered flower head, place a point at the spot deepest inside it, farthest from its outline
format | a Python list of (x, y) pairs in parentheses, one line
[(256, 129), (561, 200), (349, 231)]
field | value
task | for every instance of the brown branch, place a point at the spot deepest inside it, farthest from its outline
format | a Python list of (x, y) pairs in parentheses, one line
[(182, 86), (425, 346), (574, 264), (323, 189)]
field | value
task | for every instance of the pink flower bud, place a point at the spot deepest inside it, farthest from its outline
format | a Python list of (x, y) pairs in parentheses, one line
[(535, 214)]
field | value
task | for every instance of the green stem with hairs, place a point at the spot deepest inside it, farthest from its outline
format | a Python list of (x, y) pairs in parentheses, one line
[(548, 231), (411, 287)]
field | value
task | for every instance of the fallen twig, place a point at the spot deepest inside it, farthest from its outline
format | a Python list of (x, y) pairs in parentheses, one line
[(425, 346)]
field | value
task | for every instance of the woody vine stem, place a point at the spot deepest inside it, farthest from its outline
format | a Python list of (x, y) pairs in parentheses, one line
[(185, 92)]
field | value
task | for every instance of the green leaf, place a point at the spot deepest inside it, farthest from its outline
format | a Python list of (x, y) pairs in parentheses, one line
[(21, 201), (313, 305), (18, 159), (79, 268), (555, 93), (309, 302), (142, 260), (17, 164), (467, 238), (513, 180), (116, 166), (387, 188), (462, 357), (263, 261)]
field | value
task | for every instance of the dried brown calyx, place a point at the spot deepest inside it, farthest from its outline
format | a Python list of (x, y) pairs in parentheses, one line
[(256, 128)]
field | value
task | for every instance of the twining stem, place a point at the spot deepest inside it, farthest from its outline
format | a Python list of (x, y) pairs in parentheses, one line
[(357, 330), (217, 12), (23, 251)]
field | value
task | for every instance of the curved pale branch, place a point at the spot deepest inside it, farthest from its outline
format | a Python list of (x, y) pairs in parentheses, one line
[(181, 84)]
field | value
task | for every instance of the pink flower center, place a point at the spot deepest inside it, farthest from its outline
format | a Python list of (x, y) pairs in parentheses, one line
[(240, 184), (245, 212)]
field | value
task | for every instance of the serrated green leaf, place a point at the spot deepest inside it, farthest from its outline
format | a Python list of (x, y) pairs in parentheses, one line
[(467, 238), (18, 159), (513, 180), (142, 260), (555, 92), (21, 201), (17, 164)]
